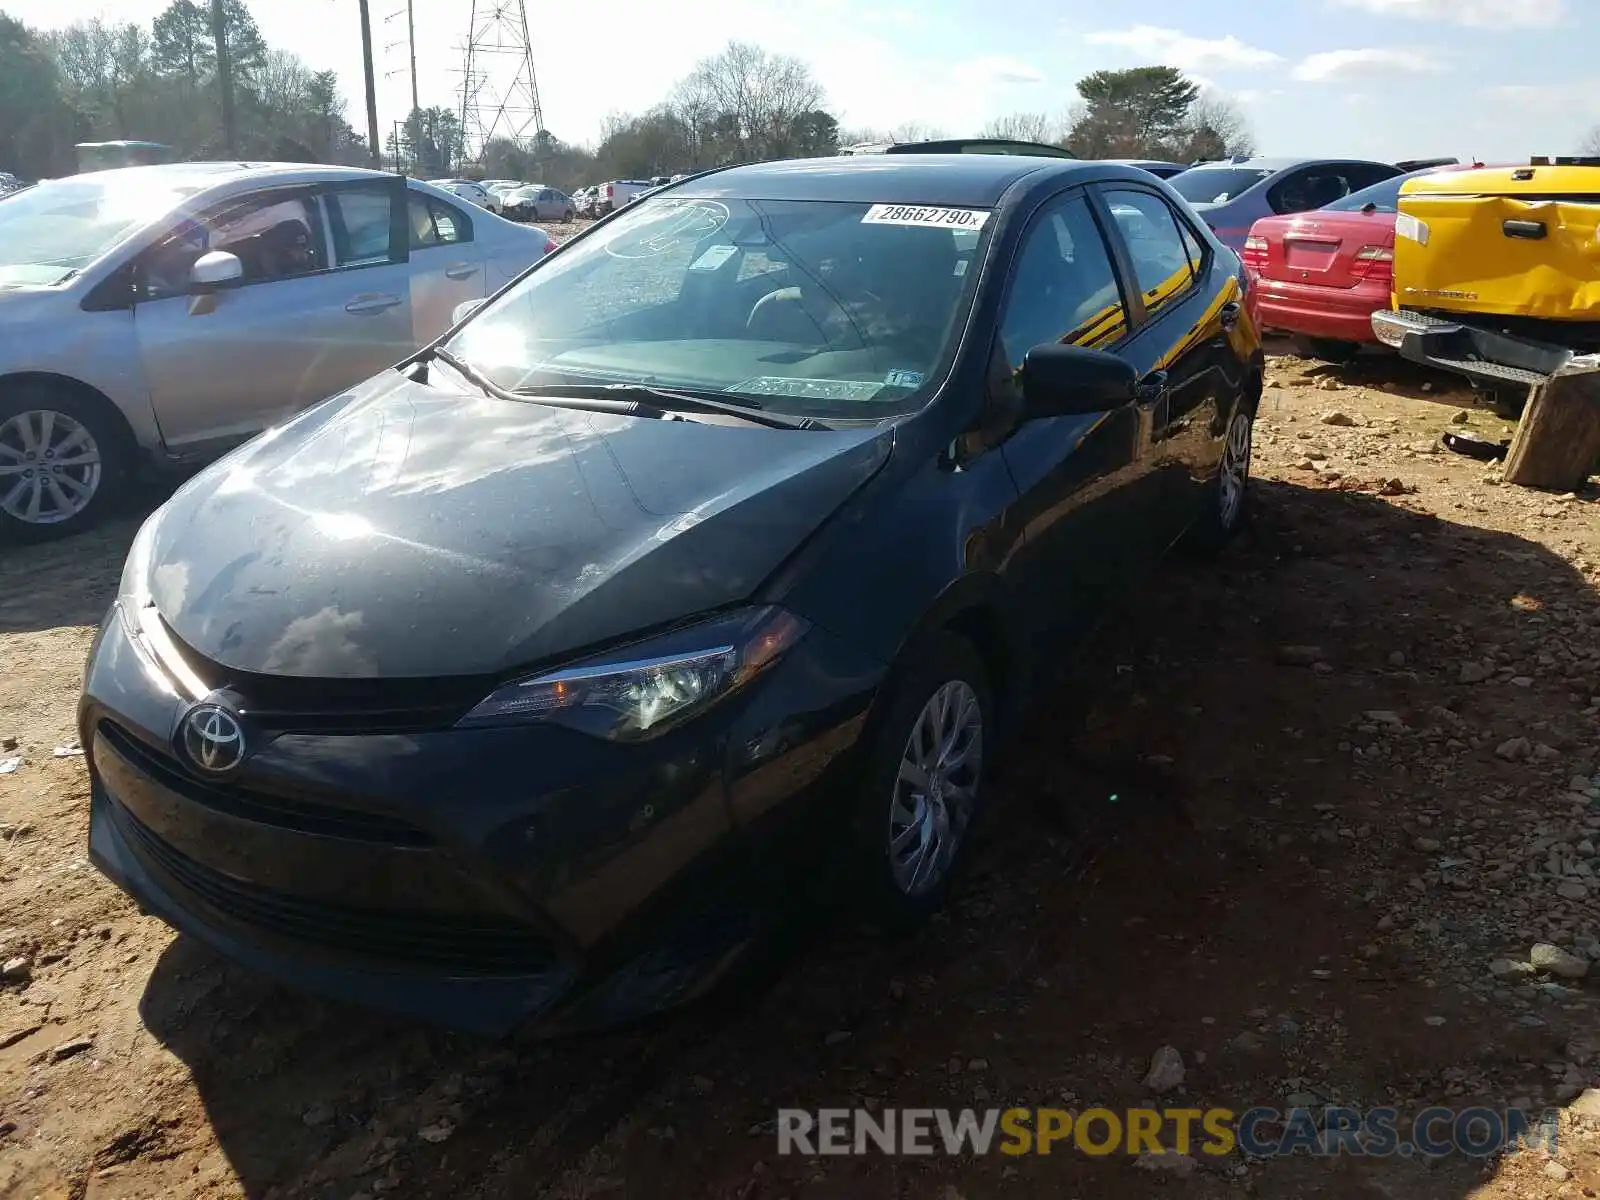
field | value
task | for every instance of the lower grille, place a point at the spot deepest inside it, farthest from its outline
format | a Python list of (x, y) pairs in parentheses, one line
[(461, 945), (321, 820)]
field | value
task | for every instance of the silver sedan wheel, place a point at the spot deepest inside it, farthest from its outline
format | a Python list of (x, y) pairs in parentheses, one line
[(49, 467), (1235, 470), (936, 792)]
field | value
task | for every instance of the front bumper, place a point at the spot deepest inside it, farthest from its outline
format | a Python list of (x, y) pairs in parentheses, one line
[(482, 879), (1487, 357)]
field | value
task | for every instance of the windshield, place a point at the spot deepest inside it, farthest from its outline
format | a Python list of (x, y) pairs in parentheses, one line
[(1216, 185), (55, 229), (1384, 196), (807, 307)]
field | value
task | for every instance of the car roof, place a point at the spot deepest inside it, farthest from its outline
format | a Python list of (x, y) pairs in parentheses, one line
[(211, 174), (949, 179), (1275, 164)]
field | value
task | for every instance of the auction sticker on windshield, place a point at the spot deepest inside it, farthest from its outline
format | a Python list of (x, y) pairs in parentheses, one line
[(808, 389), (939, 218)]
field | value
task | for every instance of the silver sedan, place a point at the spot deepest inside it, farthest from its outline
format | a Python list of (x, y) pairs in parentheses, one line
[(168, 313)]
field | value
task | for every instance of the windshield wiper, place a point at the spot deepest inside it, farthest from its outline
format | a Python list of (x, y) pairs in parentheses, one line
[(669, 400), (624, 399)]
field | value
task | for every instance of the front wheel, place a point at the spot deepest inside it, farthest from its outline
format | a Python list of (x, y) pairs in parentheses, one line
[(923, 786), (1226, 503), (62, 460)]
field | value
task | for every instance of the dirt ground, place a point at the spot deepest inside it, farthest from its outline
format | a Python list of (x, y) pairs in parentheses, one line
[(1331, 791)]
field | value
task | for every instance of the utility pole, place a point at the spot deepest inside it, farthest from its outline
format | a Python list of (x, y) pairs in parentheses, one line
[(219, 34), (411, 40), (372, 87)]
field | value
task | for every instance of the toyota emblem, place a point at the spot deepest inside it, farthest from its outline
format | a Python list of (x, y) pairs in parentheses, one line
[(213, 738)]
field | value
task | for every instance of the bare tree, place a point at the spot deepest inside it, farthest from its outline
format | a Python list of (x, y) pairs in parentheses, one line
[(756, 98), (1022, 127), (864, 135), (915, 131), (1591, 143), (1216, 129)]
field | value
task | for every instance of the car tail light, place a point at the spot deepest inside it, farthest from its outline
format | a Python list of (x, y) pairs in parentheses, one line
[(1255, 252), (610, 191), (550, 245), (1374, 263)]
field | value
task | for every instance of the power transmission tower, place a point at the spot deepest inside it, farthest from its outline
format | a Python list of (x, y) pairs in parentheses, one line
[(499, 90)]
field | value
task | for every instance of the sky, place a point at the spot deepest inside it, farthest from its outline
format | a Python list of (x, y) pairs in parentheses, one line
[(1386, 79)]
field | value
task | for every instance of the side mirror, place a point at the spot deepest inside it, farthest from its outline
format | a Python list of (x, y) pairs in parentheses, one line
[(464, 310), (214, 271), (1059, 380)]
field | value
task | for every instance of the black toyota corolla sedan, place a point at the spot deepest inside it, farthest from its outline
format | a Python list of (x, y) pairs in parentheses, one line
[(715, 555)]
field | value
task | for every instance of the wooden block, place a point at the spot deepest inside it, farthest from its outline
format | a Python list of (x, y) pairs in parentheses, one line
[(1557, 443)]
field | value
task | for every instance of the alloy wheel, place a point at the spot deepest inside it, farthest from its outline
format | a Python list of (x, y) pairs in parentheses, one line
[(50, 467), (1235, 470), (936, 790)]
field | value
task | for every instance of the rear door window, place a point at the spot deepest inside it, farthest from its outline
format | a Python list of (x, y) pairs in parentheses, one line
[(1162, 262), (435, 223), (1306, 188)]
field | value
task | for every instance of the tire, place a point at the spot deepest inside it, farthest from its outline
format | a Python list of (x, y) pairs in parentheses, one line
[(567, 216), (893, 820), (1329, 350), (1226, 506), (96, 455)]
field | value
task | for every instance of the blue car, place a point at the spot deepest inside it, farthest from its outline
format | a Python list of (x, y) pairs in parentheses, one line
[(1232, 194)]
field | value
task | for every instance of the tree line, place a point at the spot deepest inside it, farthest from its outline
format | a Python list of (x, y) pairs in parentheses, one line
[(198, 67), (105, 80), (748, 104)]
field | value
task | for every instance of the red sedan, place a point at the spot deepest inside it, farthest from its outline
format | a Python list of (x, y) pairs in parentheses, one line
[(1320, 275)]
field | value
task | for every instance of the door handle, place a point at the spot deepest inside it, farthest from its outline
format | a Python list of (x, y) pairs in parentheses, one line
[(1229, 315), (460, 270), (1151, 388), (367, 305)]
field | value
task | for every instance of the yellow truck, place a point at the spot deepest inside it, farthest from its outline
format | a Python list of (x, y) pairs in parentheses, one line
[(1497, 272)]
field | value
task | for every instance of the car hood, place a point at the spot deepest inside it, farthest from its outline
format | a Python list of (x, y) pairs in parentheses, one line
[(402, 530)]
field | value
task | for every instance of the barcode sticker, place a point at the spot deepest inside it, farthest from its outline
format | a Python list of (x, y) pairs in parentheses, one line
[(913, 214)]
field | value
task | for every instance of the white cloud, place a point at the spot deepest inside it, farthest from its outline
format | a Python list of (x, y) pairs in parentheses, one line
[(1551, 97), (993, 71), (1369, 63), (1485, 14), (1257, 95), (1184, 51)]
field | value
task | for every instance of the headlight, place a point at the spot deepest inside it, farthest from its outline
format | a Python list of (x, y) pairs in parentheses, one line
[(642, 690), (133, 589)]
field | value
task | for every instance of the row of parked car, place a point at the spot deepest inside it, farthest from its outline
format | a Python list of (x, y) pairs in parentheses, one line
[(513, 199), (598, 199)]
